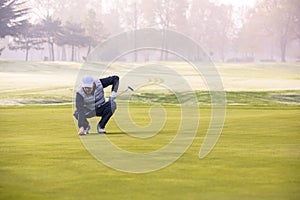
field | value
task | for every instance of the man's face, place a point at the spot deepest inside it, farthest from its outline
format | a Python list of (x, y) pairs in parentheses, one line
[(88, 90)]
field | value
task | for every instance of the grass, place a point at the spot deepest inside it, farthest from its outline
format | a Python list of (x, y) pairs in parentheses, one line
[(256, 157), (64, 95), (255, 98), (54, 82)]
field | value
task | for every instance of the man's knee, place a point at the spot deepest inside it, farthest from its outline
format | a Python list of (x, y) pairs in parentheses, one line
[(75, 114)]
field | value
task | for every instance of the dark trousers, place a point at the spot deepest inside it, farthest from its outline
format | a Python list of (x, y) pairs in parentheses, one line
[(105, 112)]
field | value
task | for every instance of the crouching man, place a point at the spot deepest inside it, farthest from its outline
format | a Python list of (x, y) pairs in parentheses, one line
[(90, 102)]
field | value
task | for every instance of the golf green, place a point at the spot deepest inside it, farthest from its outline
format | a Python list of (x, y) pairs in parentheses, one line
[(256, 157)]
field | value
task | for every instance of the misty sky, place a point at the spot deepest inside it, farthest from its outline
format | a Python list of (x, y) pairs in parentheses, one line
[(237, 3)]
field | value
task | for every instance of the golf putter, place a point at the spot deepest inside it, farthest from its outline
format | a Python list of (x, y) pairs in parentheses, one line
[(128, 88)]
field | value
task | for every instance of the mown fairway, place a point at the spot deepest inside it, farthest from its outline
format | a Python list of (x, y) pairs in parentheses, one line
[(256, 157)]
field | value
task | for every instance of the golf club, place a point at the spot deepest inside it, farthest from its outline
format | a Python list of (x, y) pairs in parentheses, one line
[(128, 88)]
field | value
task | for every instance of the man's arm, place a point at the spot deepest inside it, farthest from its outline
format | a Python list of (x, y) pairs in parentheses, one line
[(111, 80), (80, 110), (79, 102)]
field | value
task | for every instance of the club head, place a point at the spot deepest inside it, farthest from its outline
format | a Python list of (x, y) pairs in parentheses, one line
[(130, 88)]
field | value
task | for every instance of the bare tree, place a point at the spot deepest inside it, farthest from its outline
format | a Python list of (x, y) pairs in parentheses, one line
[(65, 10), (166, 15), (220, 29), (212, 26), (131, 18), (276, 19), (181, 11), (94, 29), (200, 14)]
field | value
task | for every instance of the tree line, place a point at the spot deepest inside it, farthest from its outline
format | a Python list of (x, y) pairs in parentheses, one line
[(269, 28)]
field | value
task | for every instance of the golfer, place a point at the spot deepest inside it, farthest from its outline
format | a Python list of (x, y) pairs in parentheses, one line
[(90, 102)]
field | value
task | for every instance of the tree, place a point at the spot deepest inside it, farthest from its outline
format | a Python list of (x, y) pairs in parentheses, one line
[(200, 14), (73, 35), (163, 12), (148, 10), (280, 22), (94, 29), (131, 19), (12, 17), (49, 29), (54, 13), (276, 19), (252, 37), (295, 11), (166, 15), (29, 39), (65, 10), (220, 29), (211, 26), (181, 10)]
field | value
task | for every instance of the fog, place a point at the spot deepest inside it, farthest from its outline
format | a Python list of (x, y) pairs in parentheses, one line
[(267, 30)]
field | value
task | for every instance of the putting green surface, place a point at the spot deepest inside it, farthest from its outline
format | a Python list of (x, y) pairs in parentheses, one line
[(256, 157)]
